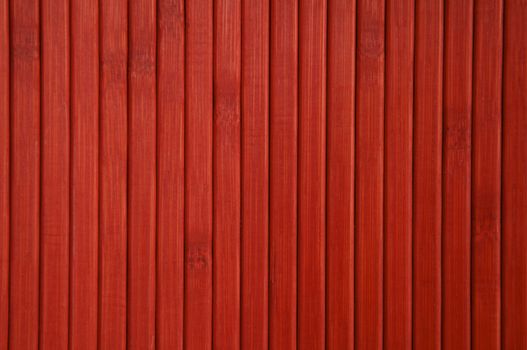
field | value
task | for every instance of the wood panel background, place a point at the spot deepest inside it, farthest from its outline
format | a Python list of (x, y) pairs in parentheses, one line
[(254, 174)]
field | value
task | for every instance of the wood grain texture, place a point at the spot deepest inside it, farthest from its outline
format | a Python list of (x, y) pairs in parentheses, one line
[(84, 140), (113, 161), (340, 181), (255, 175), (25, 175), (311, 174), (170, 173), (369, 175), (198, 174), (141, 211), (427, 187), (341, 174), (457, 104), (486, 174), (514, 181), (226, 175), (55, 175), (283, 174), (398, 174), (4, 173)]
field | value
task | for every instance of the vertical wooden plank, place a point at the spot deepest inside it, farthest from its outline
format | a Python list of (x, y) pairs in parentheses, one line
[(398, 176), (198, 174), (312, 174), (141, 175), (4, 173), (456, 174), (113, 175), (486, 174), (283, 174), (170, 173), (369, 175), (226, 175), (427, 153), (84, 174), (514, 220), (25, 174), (55, 179), (340, 174), (255, 174)]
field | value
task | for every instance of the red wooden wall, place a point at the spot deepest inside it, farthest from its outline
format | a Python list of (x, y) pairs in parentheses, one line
[(253, 174)]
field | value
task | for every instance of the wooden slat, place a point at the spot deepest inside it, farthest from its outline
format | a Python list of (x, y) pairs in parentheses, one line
[(340, 185), (84, 174), (170, 173), (456, 174), (198, 174), (486, 174), (25, 175), (369, 175), (311, 174), (255, 175), (226, 175), (141, 174), (4, 173), (55, 175), (398, 174), (427, 155), (514, 220), (283, 174), (113, 175)]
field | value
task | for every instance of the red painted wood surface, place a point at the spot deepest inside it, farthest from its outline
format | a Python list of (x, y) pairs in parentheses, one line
[(226, 175), (311, 174), (398, 174), (457, 114), (170, 174), (283, 178), (486, 174), (4, 173), (341, 174), (24, 166), (427, 186), (84, 175), (141, 175), (197, 322), (113, 166), (369, 172), (514, 181), (254, 318), (54, 175)]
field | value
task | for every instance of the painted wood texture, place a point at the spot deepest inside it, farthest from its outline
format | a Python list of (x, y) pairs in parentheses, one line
[(427, 184), (369, 174), (283, 174), (84, 180), (170, 174), (113, 165), (242, 174), (226, 175), (486, 174), (398, 159), (54, 175), (340, 172), (514, 181), (254, 318), (456, 205), (4, 173)]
